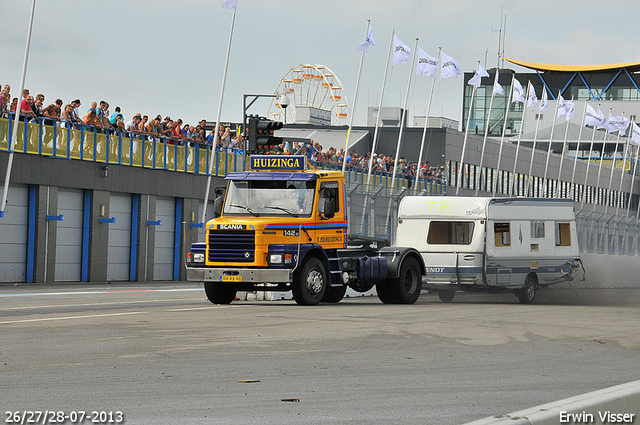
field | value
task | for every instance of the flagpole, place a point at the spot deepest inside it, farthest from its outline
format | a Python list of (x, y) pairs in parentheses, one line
[(404, 112), (355, 99), (575, 158), (16, 119), (633, 177), (562, 154), (486, 132), (215, 130), (504, 127), (515, 159), (533, 152), (546, 164), (624, 166), (375, 132), (384, 83), (613, 166), (466, 133), (604, 143), (426, 124), (586, 174)]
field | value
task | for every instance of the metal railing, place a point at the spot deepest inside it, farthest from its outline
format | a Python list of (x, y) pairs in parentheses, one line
[(88, 143)]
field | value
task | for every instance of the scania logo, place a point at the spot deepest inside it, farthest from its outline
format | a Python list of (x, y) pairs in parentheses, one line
[(247, 254), (231, 227)]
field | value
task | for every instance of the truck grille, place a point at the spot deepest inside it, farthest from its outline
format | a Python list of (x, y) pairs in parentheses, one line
[(236, 246)]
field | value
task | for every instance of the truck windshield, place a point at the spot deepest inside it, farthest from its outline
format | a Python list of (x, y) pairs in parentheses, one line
[(269, 198)]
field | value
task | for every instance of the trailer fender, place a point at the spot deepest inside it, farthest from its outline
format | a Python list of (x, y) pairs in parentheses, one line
[(396, 255)]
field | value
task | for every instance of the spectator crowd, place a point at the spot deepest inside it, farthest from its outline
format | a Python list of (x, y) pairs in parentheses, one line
[(100, 118)]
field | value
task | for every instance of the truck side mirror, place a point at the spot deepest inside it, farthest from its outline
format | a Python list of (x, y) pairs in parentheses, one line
[(217, 203), (329, 207)]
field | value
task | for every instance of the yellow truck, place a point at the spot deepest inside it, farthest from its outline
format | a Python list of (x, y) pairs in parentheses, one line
[(282, 226)]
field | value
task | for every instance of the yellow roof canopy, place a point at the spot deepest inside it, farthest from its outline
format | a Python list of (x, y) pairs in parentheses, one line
[(630, 66)]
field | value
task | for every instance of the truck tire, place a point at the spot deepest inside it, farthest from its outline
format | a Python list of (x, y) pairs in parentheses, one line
[(382, 288), (406, 289), (527, 294), (219, 293), (334, 294), (310, 283), (446, 296)]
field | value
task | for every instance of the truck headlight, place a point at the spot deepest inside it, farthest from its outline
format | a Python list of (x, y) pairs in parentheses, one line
[(275, 258), (198, 257)]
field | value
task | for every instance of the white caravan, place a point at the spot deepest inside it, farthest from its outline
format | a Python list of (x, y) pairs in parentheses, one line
[(491, 244)]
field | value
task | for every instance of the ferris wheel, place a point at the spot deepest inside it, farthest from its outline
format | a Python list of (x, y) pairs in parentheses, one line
[(316, 97)]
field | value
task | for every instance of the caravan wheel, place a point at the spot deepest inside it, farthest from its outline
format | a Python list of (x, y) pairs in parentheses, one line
[(528, 293)]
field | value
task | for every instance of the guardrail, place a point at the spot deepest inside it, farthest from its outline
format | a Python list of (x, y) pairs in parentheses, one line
[(88, 143), (58, 139)]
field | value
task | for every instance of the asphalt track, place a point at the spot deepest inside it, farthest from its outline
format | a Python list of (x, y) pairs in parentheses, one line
[(161, 353)]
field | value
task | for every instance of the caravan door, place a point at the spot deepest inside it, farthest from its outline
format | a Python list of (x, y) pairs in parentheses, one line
[(454, 252)]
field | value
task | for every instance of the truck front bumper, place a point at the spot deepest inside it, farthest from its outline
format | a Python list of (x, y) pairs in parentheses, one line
[(238, 275)]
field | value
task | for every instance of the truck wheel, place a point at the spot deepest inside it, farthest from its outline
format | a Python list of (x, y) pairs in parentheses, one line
[(310, 283), (334, 294), (218, 293), (446, 296), (528, 293), (384, 293), (406, 289)]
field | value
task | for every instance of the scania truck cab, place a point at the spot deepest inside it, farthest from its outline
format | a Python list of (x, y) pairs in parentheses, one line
[(283, 227)]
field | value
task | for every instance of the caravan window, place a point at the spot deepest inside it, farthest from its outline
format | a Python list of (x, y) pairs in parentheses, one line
[(537, 229), (450, 232), (502, 234), (563, 234)]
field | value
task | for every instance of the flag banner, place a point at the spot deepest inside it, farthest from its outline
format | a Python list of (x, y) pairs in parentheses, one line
[(570, 107), (497, 88), (401, 52), (619, 124), (635, 134), (475, 80), (230, 4), (562, 106), (532, 100), (544, 103), (594, 119), (449, 67), (368, 42), (427, 65), (518, 92)]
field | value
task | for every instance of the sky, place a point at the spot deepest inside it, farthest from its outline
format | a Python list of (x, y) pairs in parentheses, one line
[(167, 57)]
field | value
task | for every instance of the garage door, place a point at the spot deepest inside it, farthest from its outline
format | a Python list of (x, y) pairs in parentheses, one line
[(165, 239), (119, 251), (69, 239), (13, 235)]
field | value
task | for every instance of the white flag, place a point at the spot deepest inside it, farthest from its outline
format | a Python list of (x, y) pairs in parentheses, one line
[(402, 52), (475, 80), (619, 124), (518, 92), (497, 88), (595, 119), (635, 134), (544, 104), (230, 4), (368, 42), (562, 106), (570, 107), (532, 100), (449, 67), (427, 65)]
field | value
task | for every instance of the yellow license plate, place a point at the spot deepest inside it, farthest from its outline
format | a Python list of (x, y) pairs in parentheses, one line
[(231, 278)]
